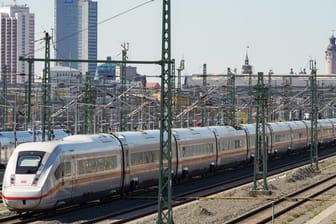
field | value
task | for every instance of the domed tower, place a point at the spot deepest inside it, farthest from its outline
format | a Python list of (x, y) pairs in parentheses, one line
[(330, 56)]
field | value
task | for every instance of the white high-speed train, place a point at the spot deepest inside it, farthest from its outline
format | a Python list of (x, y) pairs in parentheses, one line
[(78, 168)]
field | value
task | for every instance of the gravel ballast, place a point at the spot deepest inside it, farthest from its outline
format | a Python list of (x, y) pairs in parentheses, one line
[(224, 206)]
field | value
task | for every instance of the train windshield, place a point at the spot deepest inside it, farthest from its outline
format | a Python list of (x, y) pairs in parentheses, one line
[(28, 162)]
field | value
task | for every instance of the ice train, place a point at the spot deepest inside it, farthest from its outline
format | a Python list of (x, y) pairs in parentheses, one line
[(45, 175)]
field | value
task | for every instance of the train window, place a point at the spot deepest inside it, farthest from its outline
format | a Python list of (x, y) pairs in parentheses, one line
[(67, 168), (282, 137), (59, 171), (28, 162), (139, 158), (110, 163), (63, 170), (225, 145), (196, 150), (237, 144), (86, 166), (81, 164), (100, 164)]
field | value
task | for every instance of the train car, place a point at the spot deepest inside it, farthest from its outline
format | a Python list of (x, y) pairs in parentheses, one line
[(231, 145), (299, 135), (250, 130), (5, 147), (18, 137), (325, 131), (280, 137), (55, 135), (142, 157), (45, 175), (196, 150), (333, 121)]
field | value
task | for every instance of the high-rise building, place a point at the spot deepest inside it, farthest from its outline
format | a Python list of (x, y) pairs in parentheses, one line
[(17, 30), (330, 56), (76, 32)]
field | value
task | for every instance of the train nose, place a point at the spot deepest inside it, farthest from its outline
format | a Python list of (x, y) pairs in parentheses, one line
[(21, 197)]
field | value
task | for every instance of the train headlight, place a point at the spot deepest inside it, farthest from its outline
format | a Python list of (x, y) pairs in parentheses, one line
[(12, 179), (36, 179)]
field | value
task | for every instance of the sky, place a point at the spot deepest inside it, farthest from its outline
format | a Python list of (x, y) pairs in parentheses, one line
[(278, 34)]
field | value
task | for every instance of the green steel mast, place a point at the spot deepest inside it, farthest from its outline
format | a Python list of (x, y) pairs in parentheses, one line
[(204, 117), (269, 98), (89, 105), (314, 115), (286, 100), (260, 156), (249, 109), (123, 98), (4, 97), (179, 89), (231, 98), (46, 91), (165, 212)]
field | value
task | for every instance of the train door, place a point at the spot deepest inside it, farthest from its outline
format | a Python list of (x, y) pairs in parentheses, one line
[(69, 169), (217, 146), (126, 166)]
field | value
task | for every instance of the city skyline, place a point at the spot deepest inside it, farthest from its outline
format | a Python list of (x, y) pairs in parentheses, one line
[(277, 35)]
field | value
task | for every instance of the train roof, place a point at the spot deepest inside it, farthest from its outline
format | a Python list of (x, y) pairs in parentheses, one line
[(100, 138), (48, 146), (225, 130), (21, 136), (279, 126), (296, 124), (4, 140), (325, 122), (27, 136), (136, 137), (249, 128), (57, 134), (192, 133)]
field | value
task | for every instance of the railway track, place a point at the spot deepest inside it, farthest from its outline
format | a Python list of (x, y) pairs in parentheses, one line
[(285, 204)]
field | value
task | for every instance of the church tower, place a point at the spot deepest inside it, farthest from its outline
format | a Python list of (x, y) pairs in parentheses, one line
[(247, 68), (330, 56)]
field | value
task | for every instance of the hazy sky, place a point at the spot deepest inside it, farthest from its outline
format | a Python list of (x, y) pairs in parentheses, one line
[(280, 33)]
